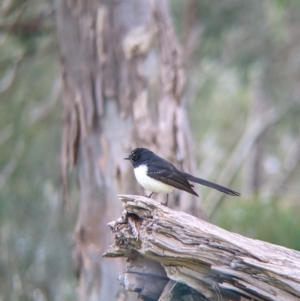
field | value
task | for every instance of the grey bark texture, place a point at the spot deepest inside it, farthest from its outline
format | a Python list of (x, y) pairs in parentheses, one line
[(194, 260), (122, 82)]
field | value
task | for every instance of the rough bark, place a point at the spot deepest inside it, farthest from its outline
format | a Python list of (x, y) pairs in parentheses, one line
[(202, 261), (122, 82)]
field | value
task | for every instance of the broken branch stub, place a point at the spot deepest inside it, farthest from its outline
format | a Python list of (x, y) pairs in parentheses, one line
[(204, 261)]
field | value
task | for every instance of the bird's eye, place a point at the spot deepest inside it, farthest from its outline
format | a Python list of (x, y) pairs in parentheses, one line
[(135, 157)]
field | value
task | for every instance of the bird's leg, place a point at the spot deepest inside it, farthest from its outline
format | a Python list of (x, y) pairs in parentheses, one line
[(149, 196), (166, 203)]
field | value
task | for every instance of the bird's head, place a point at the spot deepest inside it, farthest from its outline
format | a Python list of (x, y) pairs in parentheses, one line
[(139, 156)]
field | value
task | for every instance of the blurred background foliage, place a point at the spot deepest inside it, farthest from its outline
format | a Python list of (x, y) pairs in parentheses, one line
[(242, 63), (35, 238)]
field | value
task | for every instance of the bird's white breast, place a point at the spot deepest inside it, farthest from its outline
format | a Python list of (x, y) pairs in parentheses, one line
[(149, 183)]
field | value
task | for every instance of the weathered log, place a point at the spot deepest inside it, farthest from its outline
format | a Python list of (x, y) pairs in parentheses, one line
[(201, 260)]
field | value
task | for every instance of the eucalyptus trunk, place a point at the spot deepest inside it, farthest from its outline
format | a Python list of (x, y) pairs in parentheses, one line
[(123, 81)]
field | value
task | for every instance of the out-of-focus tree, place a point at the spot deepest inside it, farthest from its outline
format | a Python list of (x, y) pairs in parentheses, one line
[(122, 88), (34, 240), (242, 73)]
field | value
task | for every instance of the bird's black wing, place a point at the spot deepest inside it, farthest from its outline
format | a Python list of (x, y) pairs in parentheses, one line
[(210, 184), (163, 171)]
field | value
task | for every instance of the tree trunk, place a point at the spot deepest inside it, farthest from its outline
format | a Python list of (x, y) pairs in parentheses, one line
[(254, 172), (122, 88), (172, 255)]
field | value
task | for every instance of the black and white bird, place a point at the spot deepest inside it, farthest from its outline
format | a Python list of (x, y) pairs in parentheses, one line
[(158, 175)]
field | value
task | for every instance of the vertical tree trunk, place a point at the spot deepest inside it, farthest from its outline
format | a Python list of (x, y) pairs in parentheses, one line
[(254, 174), (122, 88)]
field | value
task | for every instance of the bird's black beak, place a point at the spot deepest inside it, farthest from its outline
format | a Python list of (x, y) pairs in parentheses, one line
[(126, 158)]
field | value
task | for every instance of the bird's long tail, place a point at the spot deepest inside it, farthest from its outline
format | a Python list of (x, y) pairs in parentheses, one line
[(211, 185)]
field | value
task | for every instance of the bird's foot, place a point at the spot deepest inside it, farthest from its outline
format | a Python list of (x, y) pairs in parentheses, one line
[(166, 203), (149, 196)]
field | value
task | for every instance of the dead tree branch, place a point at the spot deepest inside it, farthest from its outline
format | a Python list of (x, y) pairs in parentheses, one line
[(42, 111), (255, 130), (11, 165), (10, 75), (6, 133), (176, 256)]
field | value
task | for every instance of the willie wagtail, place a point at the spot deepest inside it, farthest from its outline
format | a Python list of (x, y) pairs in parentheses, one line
[(158, 175)]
